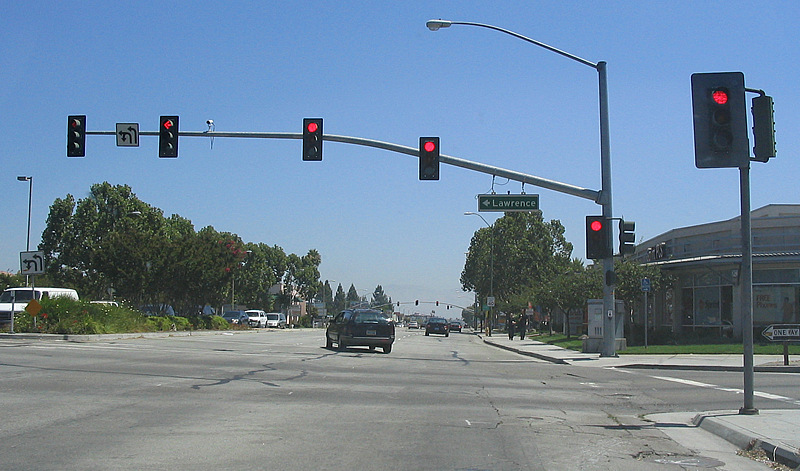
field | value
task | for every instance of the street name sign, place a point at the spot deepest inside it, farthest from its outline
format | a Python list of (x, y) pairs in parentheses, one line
[(508, 203), (782, 333)]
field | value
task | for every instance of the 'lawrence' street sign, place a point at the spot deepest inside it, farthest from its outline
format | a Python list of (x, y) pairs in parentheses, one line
[(508, 202)]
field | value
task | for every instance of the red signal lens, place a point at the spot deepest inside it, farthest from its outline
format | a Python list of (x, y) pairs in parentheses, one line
[(168, 124), (429, 146), (312, 127), (596, 226), (720, 97)]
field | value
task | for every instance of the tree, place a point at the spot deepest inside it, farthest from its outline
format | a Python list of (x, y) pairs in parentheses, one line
[(527, 251), (379, 299), (340, 300), (352, 296)]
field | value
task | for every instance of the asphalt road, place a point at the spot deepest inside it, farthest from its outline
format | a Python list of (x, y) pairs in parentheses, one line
[(279, 400)]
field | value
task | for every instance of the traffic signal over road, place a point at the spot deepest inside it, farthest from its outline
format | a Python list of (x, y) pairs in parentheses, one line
[(627, 237), (312, 138), (428, 158), (720, 120), (76, 136), (763, 128), (598, 240), (168, 136)]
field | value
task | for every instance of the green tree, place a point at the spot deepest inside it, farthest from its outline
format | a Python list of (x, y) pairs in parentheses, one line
[(379, 299), (340, 300)]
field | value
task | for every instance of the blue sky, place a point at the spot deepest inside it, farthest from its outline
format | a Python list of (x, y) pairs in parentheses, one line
[(373, 70)]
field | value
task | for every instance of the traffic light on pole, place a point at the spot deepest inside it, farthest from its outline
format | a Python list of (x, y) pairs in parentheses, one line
[(168, 136), (626, 237), (428, 158), (720, 120), (763, 128), (598, 240), (76, 136), (312, 138)]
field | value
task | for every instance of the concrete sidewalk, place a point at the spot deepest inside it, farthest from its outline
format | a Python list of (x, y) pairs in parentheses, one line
[(777, 432)]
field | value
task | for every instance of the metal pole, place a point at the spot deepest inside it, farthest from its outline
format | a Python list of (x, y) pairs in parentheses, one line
[(747, 292), (610, 323)]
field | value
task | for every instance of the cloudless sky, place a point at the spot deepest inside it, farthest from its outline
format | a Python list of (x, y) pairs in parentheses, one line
[(373, 70)]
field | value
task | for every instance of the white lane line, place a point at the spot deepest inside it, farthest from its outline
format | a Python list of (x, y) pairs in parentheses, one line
[(688, 382)]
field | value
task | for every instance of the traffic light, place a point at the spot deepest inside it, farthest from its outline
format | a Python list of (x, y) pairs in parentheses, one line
[(416, 303), (428, 158), (626, 237), (76, 136), (598, 240), (312, 138), (168, 136), (720, 120), (437, 303), (763, 128)]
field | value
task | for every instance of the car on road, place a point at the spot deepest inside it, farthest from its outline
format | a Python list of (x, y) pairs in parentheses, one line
[(413, 325), (276, 319), (454, 326), (256, 318), (437, 325), (237, 317), (361, 327)]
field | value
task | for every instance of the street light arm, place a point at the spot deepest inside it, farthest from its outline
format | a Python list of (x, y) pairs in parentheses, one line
[(434, 25)]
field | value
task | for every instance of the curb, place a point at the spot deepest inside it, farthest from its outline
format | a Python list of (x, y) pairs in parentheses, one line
[(744, 441), (85, 338), (557, 361)]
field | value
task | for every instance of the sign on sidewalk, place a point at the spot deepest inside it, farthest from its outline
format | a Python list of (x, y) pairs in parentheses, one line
[(782, 333)]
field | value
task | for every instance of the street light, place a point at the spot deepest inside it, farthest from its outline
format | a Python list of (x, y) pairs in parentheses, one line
[(30, 194), (491, 267), (604, 199)]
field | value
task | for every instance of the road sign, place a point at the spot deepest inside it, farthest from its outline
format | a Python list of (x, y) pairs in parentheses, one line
[(782, 333), (127, 134), (31, 263), (508, 202), (645, 284), (33, 308), (490, 301)]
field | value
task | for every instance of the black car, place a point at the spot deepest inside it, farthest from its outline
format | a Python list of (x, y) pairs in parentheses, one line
[(361, 327), (437, 325), (455, 326)]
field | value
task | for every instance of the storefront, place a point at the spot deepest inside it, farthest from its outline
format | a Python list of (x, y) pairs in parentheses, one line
[(704, 262)]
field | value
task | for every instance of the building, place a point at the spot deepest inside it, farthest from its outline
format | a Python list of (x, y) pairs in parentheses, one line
[(705, 262)]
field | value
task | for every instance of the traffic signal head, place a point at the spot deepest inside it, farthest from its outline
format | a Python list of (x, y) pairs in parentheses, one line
[(168, 136), (627, 237), (428, 158), (763, 128), (598, 240), (312, 138), (76, 136), (720, 120)]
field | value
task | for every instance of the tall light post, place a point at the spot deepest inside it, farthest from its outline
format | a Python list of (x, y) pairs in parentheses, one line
[(488, 321), (604, 200), (28, 179)]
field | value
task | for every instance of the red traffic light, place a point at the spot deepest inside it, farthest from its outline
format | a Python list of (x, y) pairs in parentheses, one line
[(720, 97), (312, 126), (596, 225), (168, 124), (429, 146)]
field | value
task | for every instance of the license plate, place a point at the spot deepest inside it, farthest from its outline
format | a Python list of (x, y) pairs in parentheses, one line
[(372, 332)]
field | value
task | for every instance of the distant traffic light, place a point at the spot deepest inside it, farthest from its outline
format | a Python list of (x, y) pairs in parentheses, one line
[(627, 237), (598, 240), (168, 136), (763, 128), (416, 303), (312, 138), (428, 158), (720, 120), (76, 136)]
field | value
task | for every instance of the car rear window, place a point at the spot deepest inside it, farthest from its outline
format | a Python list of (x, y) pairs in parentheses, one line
[(370, 318)]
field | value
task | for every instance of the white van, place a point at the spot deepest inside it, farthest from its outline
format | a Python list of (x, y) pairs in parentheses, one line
[(276, 319), (21, 297)]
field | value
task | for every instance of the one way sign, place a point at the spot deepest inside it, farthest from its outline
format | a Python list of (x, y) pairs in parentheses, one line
[(782, 333)]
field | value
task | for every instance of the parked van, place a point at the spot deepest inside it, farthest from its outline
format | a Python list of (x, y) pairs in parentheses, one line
[(276, 319), (22, 296)]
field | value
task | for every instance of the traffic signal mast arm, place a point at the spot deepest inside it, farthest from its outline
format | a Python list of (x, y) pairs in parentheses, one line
[(586, 193)]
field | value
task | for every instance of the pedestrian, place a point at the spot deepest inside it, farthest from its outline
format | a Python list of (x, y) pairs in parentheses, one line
[(510, 326), (521, 324)]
